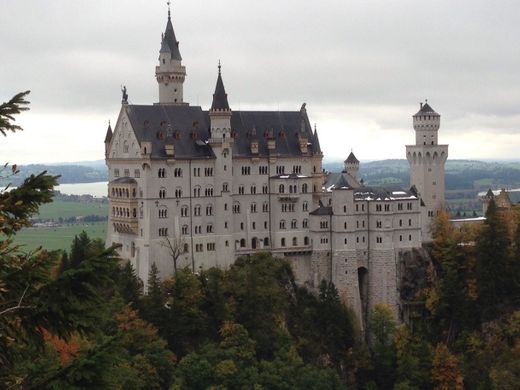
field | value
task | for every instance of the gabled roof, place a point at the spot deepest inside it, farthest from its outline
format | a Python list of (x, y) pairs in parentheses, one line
[(108, 136), (151, 122), (170, 40), (351, 159), (322, 210), (426, 109), (220, 100)]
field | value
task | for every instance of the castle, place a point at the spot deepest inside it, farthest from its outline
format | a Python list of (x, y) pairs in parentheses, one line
[(196, 188)]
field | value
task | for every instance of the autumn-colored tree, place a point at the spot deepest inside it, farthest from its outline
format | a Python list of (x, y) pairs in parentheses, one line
[(446, 373)]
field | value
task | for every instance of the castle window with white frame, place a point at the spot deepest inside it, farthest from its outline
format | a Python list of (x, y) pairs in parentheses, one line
[(208, 171), (282, 224), (379, 240), (236, 208), (399, 206), (295, 241), (178, 192), (241, 190), (265, 207), (161, 173), (184, 211), (253, 189), (177, 172), (379, 224), (163, 232), (196, 192), (196, 211), (209, 209), (281, 189), (265, 189), (116, 172), (379, 207), (294, 224), (324, 224), (184, 230), (305, 223), (387, 207), (225, 187), (305, 206), (253, 207), (409, 206), (209, 228), (162, 193)]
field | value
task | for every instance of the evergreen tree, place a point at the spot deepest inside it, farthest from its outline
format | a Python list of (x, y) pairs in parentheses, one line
[(493, 259), (80, 249)]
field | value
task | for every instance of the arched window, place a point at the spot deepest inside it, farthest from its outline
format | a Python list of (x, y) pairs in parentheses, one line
[(295, 241), (281, 189), (266, 241), (178, 192), (185, 230), (304, 188), (243, 243), (306, 241), (282, 224), (196, 192), (283, 241), (162, 193)]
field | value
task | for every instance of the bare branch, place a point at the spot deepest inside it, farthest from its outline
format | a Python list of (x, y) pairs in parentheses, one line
[(19, 306)]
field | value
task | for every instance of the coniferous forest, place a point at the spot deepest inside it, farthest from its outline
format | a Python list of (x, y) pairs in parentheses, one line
[(80, 319)]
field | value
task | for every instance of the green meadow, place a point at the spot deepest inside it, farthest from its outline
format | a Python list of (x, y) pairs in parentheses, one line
[(61, 237)]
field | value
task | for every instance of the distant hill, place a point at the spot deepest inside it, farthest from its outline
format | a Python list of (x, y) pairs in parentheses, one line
[(460, 174), (78, 172)]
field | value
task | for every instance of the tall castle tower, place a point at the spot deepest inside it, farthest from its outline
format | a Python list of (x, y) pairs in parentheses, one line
[(427, 159), (170, 73)]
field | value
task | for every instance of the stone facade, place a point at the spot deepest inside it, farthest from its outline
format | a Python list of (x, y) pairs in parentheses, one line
[(218, 184)]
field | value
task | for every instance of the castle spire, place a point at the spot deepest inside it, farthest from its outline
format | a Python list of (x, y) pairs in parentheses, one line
[(170, 40), (170, 73), (220, 100)]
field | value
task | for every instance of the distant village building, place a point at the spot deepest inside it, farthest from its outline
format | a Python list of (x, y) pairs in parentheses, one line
[(223, 183)]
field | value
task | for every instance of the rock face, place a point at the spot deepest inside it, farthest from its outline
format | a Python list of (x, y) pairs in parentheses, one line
[(412, 269)]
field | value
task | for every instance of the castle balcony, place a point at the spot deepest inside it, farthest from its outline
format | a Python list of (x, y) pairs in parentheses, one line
[(125, 225), (291, 198)]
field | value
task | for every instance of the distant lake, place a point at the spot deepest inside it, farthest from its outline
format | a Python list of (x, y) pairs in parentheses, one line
[(98, 189)]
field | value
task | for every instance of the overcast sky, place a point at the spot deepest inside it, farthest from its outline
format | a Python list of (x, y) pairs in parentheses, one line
[(362, 67)]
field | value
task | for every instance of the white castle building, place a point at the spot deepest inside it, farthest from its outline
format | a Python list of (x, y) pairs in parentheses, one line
[(205, 187)]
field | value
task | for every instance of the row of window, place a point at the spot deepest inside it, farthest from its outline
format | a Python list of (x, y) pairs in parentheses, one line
[(122, 212), (126, 173), (294, 224), (122, 192)]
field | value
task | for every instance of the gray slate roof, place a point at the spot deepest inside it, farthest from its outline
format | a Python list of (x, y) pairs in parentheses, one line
[(220, 100), (426, 109), (170, 40), (352, 159), (189, 128), (108, 136)]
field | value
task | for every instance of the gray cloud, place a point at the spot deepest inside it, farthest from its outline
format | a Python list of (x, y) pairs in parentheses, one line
[(368, 54)]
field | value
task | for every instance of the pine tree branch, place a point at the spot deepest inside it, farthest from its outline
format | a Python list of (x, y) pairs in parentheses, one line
[(19, 306), (9, 109)]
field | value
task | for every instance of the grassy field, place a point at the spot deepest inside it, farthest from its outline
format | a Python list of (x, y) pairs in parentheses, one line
[(61, 208), (58, 237)]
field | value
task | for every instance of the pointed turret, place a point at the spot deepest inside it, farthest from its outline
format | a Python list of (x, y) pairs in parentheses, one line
[(170, 41), (108, 136), (351, 165), (220, 100), (317, 147), (220, 113), (170, 73)]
